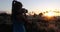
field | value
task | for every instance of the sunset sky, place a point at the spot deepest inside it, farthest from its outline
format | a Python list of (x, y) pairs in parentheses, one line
[(32, 5)]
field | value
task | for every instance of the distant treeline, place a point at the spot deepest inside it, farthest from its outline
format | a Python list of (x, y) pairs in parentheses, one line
[(5, 18)]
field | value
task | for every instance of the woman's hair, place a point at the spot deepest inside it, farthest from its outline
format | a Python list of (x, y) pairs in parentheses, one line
[(18, 5)]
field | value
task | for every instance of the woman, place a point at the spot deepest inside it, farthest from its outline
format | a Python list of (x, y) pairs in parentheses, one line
[(18, 25)]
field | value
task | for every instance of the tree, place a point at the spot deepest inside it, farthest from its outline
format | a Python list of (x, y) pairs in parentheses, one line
[(40, 14)]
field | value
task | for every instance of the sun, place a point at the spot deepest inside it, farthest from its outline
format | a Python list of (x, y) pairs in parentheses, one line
[(49, 14)]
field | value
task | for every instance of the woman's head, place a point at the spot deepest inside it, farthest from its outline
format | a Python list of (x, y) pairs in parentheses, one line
[(18, 5)]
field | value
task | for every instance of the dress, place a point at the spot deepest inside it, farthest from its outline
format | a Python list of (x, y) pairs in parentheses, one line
[(18, 27)]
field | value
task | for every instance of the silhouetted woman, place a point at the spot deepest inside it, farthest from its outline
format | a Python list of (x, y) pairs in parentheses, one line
[(17, 16)]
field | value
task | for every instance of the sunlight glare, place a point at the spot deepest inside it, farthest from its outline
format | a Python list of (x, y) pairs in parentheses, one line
[(49, 14)]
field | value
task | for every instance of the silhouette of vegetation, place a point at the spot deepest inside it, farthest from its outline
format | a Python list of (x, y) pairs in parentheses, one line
[(33, 26), (5, 22)]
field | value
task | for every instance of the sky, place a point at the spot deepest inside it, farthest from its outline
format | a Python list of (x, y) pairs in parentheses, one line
[(31, 5)]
